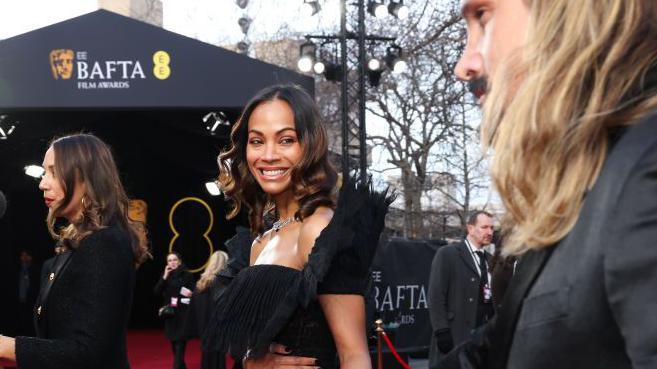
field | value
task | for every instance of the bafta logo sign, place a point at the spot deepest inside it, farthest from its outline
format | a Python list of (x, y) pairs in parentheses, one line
[(61, 63)]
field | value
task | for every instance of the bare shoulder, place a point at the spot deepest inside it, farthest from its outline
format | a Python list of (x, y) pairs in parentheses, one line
[(312, 226)]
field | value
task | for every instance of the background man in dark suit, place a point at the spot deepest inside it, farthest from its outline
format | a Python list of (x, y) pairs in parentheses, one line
[(28, 288), (460, 297)]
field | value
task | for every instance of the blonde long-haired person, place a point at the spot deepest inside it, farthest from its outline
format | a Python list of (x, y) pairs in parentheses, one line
[(82, 312), (201, 307), (571, 117)]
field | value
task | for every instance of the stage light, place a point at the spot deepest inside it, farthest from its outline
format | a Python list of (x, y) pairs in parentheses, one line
[(374, 64), (333, 72), (213, 188), (394, 59), (310, 7), (242, 3), (243, 46), (6, 127), (377, 9), (35, 171), (306, 56), (244, 23), (374, 77), (398, 9), (319, 67), (215, 120)]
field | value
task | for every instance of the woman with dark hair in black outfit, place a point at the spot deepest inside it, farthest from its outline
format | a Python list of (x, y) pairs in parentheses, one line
[(175, 287), (300, 299), (82, 312)]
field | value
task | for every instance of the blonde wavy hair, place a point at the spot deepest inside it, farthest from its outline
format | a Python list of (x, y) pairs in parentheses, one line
[(215, 264), (553, 107)]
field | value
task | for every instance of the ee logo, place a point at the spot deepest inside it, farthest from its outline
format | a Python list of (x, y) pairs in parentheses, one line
[(161, 60)]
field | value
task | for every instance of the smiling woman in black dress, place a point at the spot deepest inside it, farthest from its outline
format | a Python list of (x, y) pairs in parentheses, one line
[(302, 292)]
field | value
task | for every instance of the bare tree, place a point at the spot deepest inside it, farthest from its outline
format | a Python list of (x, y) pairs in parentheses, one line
[(421, 106)]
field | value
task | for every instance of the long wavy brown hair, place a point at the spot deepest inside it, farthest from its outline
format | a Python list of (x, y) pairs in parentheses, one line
[(587, 70), (87, 159), (314, 177)]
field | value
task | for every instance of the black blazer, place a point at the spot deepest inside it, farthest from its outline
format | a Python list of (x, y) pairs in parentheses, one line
[(453, 294), (589, 301), (84, 319)]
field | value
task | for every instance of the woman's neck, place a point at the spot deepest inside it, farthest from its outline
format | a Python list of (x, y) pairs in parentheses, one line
[(286, 205)]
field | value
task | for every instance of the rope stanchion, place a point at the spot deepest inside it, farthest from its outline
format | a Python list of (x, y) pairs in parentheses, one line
[(382, 334), (379, 353)]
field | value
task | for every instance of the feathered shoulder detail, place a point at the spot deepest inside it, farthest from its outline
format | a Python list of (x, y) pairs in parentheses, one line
[(349, 241)]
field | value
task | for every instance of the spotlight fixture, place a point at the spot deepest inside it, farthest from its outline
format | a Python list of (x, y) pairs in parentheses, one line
[(35, 171), (310, 7), (374, 64), (242, 3), (398, 9), (6, 128), (215, 120), (374, 77), (377, 9), (243, 46), (244, 23), (306, 56), (394, 60), (319, 67), (333, 72), (213, 188)]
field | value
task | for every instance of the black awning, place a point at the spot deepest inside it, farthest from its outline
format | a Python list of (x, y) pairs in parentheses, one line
[(105, 60)]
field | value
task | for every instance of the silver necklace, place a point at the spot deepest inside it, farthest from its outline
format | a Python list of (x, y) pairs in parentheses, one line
[(279, 224)]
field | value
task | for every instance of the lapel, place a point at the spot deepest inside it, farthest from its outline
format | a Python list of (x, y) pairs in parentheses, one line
[(466, 256), (58, 267), (529, 268)]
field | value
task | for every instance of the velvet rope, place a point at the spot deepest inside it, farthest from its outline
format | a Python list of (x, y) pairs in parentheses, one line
[(394, 351)]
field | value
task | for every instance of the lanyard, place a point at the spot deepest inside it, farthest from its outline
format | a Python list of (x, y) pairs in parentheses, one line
[(476, 258)]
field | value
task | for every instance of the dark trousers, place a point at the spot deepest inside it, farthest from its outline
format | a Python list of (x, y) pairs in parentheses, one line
[(178, 348)]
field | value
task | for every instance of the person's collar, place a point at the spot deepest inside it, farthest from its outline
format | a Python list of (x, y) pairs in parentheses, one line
[(472, 245)]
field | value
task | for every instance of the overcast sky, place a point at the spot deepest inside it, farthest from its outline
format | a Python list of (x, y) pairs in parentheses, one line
[(212, 21)]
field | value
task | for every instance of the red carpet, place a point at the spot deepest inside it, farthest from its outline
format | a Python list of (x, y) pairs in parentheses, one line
[(151, 350)]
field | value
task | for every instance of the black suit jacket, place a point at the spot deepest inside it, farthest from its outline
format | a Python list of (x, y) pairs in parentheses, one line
[(453, 294), (83, 322), (589, 301)]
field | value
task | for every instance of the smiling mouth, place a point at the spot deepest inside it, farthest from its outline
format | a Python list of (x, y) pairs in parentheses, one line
[(272, 173)]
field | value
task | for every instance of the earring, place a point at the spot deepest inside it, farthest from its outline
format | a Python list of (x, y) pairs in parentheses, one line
[(83, 203)]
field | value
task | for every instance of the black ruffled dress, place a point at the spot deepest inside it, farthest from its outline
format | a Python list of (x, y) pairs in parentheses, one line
[(273, 303)]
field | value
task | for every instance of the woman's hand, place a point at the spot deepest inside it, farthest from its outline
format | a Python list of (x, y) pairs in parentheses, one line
[(278, 358), (167, 270), (7, 348)]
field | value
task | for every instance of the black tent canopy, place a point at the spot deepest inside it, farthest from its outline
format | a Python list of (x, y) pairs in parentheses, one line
[(118, 62), (143, 90)]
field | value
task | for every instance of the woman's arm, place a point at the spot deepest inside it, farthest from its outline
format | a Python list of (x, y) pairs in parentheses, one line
[(7, 348), (345, 315), (103, 271)]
